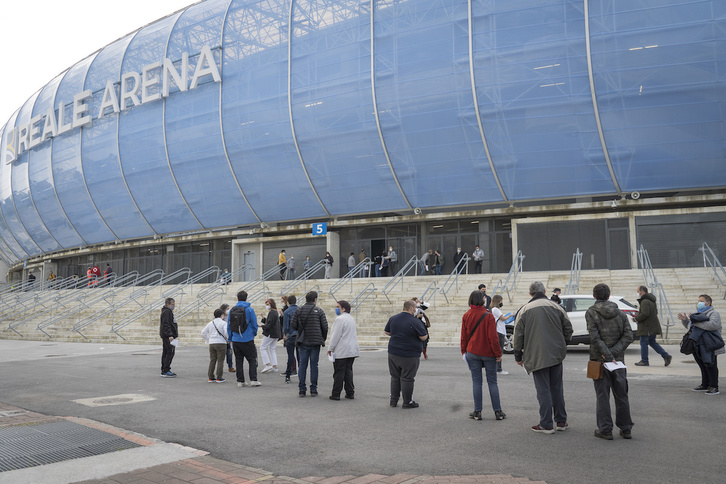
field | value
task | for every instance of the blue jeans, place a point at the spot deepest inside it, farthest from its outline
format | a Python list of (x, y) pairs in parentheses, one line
[(649, 340), (308, 354), (489, 363), (438, 269)]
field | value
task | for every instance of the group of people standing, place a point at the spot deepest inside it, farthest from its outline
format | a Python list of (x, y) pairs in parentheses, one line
[(287, 265)]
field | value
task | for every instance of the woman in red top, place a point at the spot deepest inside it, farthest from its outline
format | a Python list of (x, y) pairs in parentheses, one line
[(480, 347)]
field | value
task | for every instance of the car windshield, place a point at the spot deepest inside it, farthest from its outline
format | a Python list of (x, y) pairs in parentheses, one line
[(628, 303)]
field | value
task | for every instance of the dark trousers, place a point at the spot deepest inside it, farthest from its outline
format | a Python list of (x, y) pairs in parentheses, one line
[(216, 358), (477, 266), (229, 357), (291, 355), (618, 382), (550, 394), (709, 371), (501, 345), (167, 354), (403, 373), (343, 375), (244, 351)]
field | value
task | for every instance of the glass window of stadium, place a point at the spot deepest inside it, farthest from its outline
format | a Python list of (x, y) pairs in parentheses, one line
[(550, 245), (376, 240)]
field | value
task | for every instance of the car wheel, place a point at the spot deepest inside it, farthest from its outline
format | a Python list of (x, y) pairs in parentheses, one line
[(508, 348)]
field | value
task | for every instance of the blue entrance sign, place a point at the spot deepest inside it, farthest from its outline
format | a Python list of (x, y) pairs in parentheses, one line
[(320, 228)]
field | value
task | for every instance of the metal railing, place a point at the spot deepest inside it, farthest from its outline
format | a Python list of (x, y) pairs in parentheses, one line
[(432, 290), (362, 296), (302, 278), (139, 313), (656, 288), (349, 277), (511, 283), (453, 279), (398, 278), (573, 285), (709, 257)]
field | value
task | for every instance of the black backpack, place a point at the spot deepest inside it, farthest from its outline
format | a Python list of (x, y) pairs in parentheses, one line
[(238, 319)]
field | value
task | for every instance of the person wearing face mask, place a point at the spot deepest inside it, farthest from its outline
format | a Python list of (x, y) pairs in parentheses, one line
[(343, 349), (168, 331), (706, 326), (270, 334), (225, 315), (501, 327), (404, 353), (457, 258), (648, 327)]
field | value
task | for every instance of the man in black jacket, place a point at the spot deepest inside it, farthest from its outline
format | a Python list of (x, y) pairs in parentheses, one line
[(168, 332), (312, 328)]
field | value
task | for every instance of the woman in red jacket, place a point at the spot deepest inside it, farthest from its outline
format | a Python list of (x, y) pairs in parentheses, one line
[(480, 347)]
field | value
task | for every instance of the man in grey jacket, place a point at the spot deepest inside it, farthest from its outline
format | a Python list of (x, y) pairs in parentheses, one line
[(610, 335), (541, 332)]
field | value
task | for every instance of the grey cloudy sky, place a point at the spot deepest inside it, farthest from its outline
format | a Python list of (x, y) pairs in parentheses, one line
[(40, 39)]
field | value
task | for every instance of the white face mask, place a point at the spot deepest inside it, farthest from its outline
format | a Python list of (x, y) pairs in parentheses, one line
[(268, 307)]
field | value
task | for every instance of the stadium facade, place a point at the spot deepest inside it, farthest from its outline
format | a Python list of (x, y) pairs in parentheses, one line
[(218, 134)]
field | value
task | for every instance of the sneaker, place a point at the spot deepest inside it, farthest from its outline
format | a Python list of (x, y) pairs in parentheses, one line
[(562, 426), (294, 372), (542, 430), (266, 369), (240, 384), (274, 370), (604, 435), (668, 360), (302, 393), (700, 388), (333, 397), (411, 404), (476, 415), (499, 415), (712, 391), (313, 393), (502, 372), (287, 380), (231, 370), (168, 374), (221, 380), (394, 403), (211, 380), (254, 383), (626, 434), (642, 363), (350, 397)]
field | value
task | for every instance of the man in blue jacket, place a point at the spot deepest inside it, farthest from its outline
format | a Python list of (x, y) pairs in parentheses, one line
[(241, 331)]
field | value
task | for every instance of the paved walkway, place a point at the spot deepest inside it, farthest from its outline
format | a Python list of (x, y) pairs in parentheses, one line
[(181, 464)]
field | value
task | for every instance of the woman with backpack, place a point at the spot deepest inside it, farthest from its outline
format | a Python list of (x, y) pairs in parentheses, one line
[(480, 348)]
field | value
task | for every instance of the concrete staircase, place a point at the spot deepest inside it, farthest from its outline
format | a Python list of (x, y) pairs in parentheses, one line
[(682, 286)]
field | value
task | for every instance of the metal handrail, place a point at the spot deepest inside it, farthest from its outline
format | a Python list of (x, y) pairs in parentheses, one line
[(449, 283), (514, 270), (398, 278), (349, 277), (715, 264), (302, 278), (573, 285), (430, 289), (362, 297), (118, 326), (651, 281), (261, 278)]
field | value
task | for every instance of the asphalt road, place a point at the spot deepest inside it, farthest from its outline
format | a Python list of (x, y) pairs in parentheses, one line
[(678, 434)]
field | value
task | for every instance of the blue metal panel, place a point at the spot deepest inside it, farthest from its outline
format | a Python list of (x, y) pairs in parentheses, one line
[(255, 115), (99, 150), (8, 241), (42, 184), (24, 207), (25, 243), (332, 108), (535, 100), (141, 141), (425, 103), (193, 133), (660, 68), (67, 166)]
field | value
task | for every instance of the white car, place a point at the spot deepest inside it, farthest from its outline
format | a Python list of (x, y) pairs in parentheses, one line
[(576, 307)]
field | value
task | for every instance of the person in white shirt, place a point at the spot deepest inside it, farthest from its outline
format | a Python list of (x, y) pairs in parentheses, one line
[(214, 334), (501, 326), (343, 347)]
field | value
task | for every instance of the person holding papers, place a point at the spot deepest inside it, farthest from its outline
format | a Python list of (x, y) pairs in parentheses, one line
[(610, 335)]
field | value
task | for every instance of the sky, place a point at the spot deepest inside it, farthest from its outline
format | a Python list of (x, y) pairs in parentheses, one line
[(42, 38)]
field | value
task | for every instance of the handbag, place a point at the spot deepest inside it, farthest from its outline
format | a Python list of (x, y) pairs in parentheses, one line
[(687, 344), (595, 369)]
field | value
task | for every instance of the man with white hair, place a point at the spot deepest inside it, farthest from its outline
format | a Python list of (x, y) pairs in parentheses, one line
[(541, 333)]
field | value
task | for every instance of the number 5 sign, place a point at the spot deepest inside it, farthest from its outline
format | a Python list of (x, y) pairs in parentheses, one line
[(320, 228)]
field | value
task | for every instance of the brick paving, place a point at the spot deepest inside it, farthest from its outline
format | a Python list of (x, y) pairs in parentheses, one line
[(206, 469)]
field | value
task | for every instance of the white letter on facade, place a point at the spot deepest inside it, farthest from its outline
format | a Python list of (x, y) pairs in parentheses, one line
[(200, 71), (110, 100), (36, 135), (79, 107), (149, 81), (10, 152), (179, 79), (127, 93), (62, 127), (23, 138), (50, 128)]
